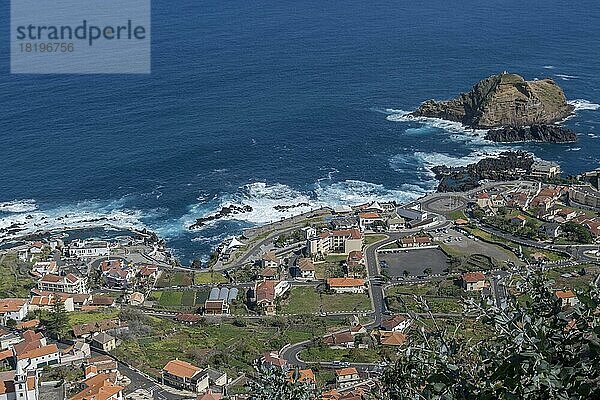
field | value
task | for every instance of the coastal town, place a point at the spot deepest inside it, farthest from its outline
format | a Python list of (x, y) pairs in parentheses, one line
[(325, 298)]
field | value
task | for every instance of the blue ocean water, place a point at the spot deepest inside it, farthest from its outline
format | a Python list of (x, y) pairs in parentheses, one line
[(266, 103)]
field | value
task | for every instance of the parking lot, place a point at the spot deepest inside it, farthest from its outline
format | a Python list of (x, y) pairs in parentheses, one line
[(413, 261), (464, 245)]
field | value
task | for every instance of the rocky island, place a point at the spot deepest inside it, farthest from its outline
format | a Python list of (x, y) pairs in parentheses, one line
[(513, 108)]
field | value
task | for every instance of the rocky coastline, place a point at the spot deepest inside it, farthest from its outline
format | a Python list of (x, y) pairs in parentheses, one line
[(225, 211), (282, 208), (505, 166), (533, 133)]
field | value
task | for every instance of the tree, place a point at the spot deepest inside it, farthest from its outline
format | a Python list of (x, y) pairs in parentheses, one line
[(577, 233), (405, 273), (427, 271), (274, 384), (538, 351), (57, 320)]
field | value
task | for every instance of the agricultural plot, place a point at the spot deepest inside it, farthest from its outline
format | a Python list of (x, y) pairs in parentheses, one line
[(179, 299)]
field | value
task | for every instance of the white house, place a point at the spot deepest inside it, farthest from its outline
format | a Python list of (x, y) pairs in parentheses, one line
[(397, 323), (47, 302), (346, 377), (270, 260), (39, 357), (367, 219), (473, 281), (567, 298), (395, 224), (305, 269), (15, 309), (66, 284), (183, 375), (347, 285), (89, 248)]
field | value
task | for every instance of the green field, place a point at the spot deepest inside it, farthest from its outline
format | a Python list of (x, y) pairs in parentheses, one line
[(187, 299), (222, 345), (576, 281), (325, 354), (459, 214), (305, 300), (370, 239), (14, 279), (209, 278), (85, 317), (527, 251), (441, 297), (331, 267), (174, 278)]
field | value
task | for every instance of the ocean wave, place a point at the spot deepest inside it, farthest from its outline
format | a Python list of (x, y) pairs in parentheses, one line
[(566, 77), (582, 104), (450, 126), (434, 159), (428, 160), (87, 214), (548, 67), (264, 199), (18, 206), (353, 192)]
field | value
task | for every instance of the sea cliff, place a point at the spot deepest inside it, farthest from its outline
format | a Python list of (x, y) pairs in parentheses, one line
[(503, 100)]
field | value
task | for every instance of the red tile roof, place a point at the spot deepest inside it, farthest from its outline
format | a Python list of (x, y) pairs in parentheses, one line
[(473, 277), (565, 294), (11, 305), (346, 371), (345, 282), (181, 369)]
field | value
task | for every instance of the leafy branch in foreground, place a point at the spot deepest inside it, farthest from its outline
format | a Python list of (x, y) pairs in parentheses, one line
[(274, 384), (538, 350)]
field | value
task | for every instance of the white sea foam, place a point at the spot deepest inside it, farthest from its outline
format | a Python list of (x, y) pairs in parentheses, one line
[(566, 77), (582, 104), (86, 214), (548, 67), (457, 131), (263, 198), (352, 192), (450, 126), (18, 206), (434, 159)]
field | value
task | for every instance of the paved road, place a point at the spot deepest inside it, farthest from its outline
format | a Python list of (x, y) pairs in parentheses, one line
[(575, 251), (376, 292), (138, 379)]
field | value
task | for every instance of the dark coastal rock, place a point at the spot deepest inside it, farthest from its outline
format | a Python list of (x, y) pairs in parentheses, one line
[(506, 166), (503, 100), (282, 208), (533, 133), (223, 212)]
